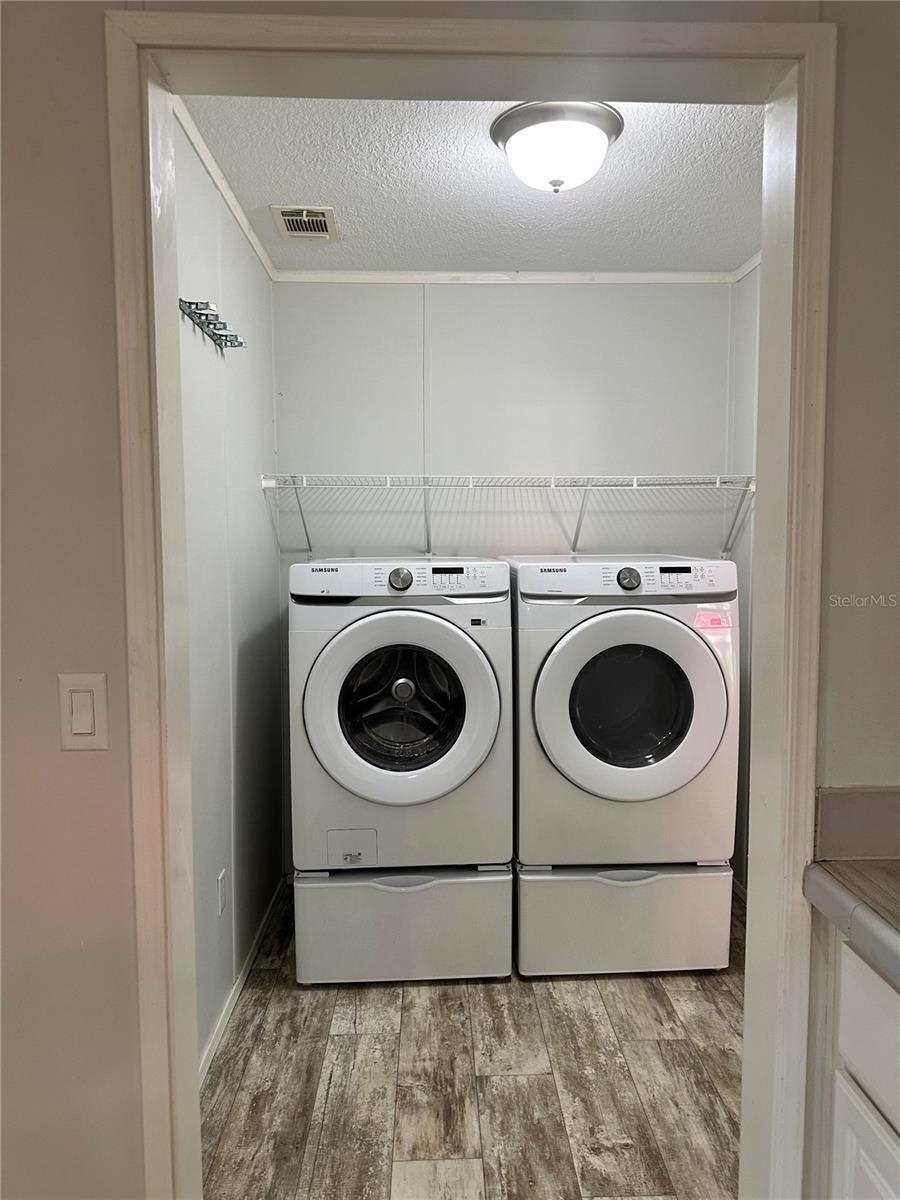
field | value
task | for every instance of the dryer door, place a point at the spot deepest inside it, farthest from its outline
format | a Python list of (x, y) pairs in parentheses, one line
[(631, 705), (401, 707)]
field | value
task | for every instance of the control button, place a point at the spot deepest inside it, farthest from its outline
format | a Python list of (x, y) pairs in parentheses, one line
[(629, 579), (400, 579)]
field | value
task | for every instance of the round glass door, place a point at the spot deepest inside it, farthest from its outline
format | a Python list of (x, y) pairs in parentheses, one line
[(401, 707), (630, 705)]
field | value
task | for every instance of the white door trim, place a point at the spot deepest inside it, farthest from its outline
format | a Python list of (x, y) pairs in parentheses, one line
[(719, 63)]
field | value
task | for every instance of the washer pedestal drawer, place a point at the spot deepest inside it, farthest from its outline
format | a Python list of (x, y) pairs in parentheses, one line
[(599, 921), (366, 926)]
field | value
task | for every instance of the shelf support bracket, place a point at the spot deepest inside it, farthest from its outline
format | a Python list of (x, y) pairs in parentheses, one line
[(303, 520), (576, 536), (426, 509), (737, 523)]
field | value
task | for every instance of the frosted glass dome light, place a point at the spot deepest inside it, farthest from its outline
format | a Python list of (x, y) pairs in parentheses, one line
[(557, 155), (556, 146)]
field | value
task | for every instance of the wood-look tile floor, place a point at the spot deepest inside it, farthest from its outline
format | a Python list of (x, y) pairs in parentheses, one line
[(563, 1088)]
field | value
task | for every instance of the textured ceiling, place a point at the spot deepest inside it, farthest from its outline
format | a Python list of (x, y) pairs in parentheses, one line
[(419, 186)]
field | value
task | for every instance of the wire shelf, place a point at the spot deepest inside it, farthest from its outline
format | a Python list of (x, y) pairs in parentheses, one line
[(484, 514)]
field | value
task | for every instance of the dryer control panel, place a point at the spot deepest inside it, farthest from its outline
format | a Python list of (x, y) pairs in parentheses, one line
[(399, 577), (595, 576)]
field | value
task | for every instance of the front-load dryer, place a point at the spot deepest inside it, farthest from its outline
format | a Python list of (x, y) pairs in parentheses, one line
[(401, 767), (627, 761)]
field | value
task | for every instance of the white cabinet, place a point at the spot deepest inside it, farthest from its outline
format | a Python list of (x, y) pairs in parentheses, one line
[(852, 1147), (865, 1150), (869, 1033)]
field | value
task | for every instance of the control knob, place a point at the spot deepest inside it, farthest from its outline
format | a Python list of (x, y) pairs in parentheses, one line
[(628, 579), (400, 579)]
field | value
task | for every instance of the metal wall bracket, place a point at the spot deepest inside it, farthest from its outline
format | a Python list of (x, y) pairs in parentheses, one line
[(578, 524), (744, 505), (210, 323)]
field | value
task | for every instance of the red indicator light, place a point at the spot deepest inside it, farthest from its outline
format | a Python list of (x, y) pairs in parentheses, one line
[(712, 620)]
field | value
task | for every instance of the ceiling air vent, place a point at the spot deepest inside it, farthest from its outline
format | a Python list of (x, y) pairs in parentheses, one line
[(299, 222)]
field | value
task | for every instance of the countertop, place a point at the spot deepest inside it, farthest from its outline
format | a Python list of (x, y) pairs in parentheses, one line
[(862, 898)]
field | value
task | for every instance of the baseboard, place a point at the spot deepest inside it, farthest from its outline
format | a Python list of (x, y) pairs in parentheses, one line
[(221, 1024)]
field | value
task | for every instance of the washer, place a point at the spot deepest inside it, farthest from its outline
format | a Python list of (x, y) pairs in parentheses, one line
[(401, 757), (627, 761)]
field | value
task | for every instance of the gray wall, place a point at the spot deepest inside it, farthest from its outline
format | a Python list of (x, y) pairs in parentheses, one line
[(235, 645), (71, 1073), (859, 696)]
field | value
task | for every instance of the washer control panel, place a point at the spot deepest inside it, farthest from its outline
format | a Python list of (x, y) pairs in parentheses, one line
[(638, 577), (391, 577)]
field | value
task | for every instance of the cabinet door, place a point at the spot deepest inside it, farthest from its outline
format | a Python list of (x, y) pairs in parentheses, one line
[(869, 1033), (865, 1160)]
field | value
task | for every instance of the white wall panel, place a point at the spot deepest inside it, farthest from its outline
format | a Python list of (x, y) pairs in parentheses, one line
[(744, 374), (249, 418), (524, 379), (576, 378), (349, 378), (227, 403), (209, 619)]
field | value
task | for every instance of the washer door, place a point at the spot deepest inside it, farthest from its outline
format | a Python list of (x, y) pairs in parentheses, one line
[(630, 705), (401, 707)]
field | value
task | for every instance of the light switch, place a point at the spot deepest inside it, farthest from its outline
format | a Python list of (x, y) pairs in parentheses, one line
[(83, 712), (82, 718)]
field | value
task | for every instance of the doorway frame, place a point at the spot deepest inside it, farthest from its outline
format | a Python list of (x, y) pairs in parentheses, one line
[(793, 348)]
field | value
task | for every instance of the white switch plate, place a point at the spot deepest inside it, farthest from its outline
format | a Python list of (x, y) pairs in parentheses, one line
[(83, 706)]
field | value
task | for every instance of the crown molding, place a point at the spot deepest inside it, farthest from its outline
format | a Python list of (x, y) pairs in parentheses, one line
[(195, 137), (451, 277)]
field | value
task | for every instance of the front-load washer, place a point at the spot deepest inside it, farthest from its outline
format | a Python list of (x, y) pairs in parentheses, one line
[(627, 761), (401, 758)]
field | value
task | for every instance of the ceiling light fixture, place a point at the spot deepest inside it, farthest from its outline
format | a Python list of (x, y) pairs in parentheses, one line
[(557, 145)]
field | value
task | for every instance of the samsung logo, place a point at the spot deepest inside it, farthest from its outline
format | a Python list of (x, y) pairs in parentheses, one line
[(554, 570), (324, 570)]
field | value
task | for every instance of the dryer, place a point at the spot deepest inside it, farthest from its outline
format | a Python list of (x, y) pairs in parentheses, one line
[(401, 768), (627, 761)]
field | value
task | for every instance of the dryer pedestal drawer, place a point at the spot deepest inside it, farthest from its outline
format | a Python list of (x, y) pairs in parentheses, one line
[(366, 926), (599, 921)]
